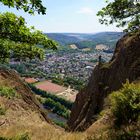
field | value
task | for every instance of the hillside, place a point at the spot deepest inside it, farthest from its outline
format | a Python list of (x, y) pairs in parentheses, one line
[(22, 116), (62, 39), (86, 40), (106, 77)]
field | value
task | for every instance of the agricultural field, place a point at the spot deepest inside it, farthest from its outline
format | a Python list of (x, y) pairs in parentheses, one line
[(30, 80), (61, 91), (50, 87)]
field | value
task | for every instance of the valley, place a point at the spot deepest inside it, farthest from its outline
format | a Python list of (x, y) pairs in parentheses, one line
[(62, 73), (64, 76), (69, 63)]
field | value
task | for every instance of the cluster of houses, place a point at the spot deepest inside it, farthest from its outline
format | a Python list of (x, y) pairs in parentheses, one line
[(76, 64)]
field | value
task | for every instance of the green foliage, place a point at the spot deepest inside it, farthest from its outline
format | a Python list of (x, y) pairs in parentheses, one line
[(29, 6), (18, 137), (56, 107), (106, 65), (28, 69), (94, 60), (66, 81), (21, 137), (74, 83), (86, 44), (128, 135), (89, 40), (20, 42), (44, 94), (63, 39), (61, 124), (122, 12), (2, 110), (56, 104), (2, 138), (126, 104), (8, 92), (19, 67)]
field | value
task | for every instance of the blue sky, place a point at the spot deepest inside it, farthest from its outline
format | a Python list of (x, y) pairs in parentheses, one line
[(75, 16)]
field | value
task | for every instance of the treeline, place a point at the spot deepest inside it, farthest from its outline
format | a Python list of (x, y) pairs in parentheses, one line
[(69, 81), (56, 107), (54, 103), (27, 69), (44, 94), (86, 44)]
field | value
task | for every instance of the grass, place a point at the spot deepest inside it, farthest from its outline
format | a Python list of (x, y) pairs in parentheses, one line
[(8, 92), (2, 110), (61, 124), (105, 65), (18, 137)]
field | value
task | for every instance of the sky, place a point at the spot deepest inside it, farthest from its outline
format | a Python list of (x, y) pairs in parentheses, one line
[(67, 16)]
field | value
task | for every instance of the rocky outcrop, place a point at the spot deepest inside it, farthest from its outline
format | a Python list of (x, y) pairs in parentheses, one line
[(107, 77)]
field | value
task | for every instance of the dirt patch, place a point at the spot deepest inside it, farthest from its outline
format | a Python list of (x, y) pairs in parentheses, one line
[(30, 80)]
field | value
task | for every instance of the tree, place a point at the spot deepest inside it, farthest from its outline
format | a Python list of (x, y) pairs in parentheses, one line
[(123, 12), (29, 6), (20, 42), (16, 39)]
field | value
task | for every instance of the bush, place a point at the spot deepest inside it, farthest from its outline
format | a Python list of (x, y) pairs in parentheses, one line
[(18, 137), (2, 138), (57, 108), (2, 110), (7, 92), (61, 124), (126, 104), (56, 104)]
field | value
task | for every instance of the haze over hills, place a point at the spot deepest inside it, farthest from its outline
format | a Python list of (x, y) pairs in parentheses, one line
[(84, 40)]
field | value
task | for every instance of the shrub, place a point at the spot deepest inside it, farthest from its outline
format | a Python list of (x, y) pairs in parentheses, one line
[(21, 137), (7, 92), (128, 135), (56, 107), (61, 124), (2, 110), (18, 137), (126, 104), (2, 138)]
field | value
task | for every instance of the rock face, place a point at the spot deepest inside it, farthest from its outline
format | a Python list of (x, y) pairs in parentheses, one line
[(107, 77)]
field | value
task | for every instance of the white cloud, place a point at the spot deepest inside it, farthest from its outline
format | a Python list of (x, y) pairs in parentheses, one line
[(86, 10)]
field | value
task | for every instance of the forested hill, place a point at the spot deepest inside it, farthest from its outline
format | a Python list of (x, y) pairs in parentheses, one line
[(62, 38), (86, 40)]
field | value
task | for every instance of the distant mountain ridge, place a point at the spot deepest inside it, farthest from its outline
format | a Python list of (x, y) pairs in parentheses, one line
[(62, 38), (85, 40)]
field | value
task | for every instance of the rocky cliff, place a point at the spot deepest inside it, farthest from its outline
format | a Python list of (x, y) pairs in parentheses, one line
[(107, 77)]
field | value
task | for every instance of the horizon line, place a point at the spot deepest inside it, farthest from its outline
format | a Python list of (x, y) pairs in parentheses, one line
[(83, 32)]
